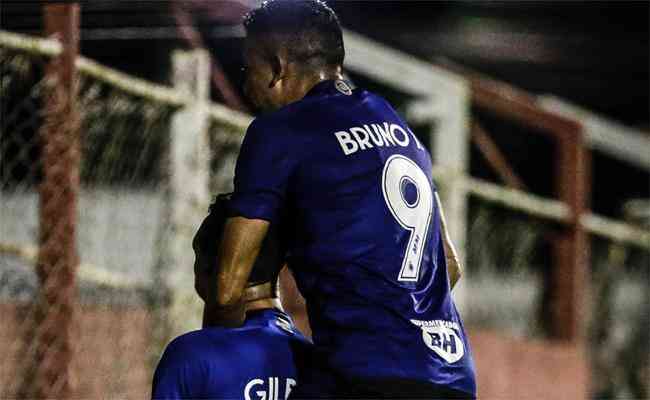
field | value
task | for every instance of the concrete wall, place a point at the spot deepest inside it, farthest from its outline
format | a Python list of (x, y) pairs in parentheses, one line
[(510, 368), (113, 358), (111, 351), (117, 230)]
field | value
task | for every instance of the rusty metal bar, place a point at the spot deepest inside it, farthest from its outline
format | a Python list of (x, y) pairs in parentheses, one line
[(495, 157), (568, 276), (503, 99), (513, 103), (57, 258), (566, 290), (193, 38)]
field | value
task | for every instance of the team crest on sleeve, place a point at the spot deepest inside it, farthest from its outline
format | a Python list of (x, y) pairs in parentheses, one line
[(343, 87), (442, 337)]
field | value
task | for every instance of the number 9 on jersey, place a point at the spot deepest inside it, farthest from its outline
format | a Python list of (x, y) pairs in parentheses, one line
[(408, 195)]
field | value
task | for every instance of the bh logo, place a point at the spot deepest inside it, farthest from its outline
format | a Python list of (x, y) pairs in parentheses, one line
[(269, 389), (444, 342)]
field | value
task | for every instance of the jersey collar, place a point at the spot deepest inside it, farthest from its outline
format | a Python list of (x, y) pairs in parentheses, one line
[(329, 87)]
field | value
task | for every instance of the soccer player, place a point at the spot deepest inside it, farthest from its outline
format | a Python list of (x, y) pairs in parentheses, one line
[(368, 248), (255, 361)]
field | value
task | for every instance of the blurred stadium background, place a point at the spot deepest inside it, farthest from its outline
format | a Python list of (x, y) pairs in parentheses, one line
[(116, 131)]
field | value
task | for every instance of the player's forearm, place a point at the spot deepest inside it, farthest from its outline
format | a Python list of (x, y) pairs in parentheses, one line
[(454, 270), (453, 264), (241, 243)]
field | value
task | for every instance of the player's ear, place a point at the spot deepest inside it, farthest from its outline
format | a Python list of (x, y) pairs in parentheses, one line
[(278, 68)]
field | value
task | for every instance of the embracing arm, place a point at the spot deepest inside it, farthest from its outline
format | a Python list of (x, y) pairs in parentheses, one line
[(453, 264), (265, 163), (241, 243)]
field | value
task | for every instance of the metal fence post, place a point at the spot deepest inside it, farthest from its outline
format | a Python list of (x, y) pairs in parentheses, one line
[(50, 375), (569, 276)]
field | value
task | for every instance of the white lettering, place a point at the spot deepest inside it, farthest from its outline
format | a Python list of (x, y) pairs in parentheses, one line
[(376, 138), (436, 323), (405, 141), (445, 342), (249, 387), (381, 134), (271, 382), (290, 384), (268, 391), (384, 133), (348, 145), (415, 139), (364, 143)]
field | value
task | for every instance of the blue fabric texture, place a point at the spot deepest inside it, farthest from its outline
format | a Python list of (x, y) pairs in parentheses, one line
[(365, 247)]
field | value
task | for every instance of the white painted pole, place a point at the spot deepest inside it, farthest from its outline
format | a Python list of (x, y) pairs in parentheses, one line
[(450, 152), (188, 193)]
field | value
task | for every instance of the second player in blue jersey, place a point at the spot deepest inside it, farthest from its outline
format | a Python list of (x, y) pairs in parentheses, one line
[(256, 361)]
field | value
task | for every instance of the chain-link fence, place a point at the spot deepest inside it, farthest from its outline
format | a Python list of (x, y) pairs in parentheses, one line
[(118, 222), (128, 237), (619, 331), (121, 228), (510, 256)]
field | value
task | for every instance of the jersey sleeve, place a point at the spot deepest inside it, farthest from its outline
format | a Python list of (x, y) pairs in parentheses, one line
[(264, 167)]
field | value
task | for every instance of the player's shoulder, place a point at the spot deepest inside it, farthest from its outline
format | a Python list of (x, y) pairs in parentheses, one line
[(263, 122), (215, 346), (281, 323), (195, 342), (278, 120), (375, 100), (268, 130)]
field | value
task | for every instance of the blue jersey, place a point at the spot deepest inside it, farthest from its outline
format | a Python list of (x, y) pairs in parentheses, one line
[(255, 361), (366, 248)]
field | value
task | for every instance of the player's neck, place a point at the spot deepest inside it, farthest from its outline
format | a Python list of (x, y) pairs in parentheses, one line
[(262, 296), (320, 76), (263, 304), (303, 85)]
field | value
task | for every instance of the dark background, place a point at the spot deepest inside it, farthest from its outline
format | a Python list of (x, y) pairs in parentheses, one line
[(594, 54)]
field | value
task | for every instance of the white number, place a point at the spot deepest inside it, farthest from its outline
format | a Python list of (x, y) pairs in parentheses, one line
[(399, 171)]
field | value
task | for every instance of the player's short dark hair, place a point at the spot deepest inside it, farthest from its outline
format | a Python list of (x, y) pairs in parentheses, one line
[(271, 258), (308, 29)]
